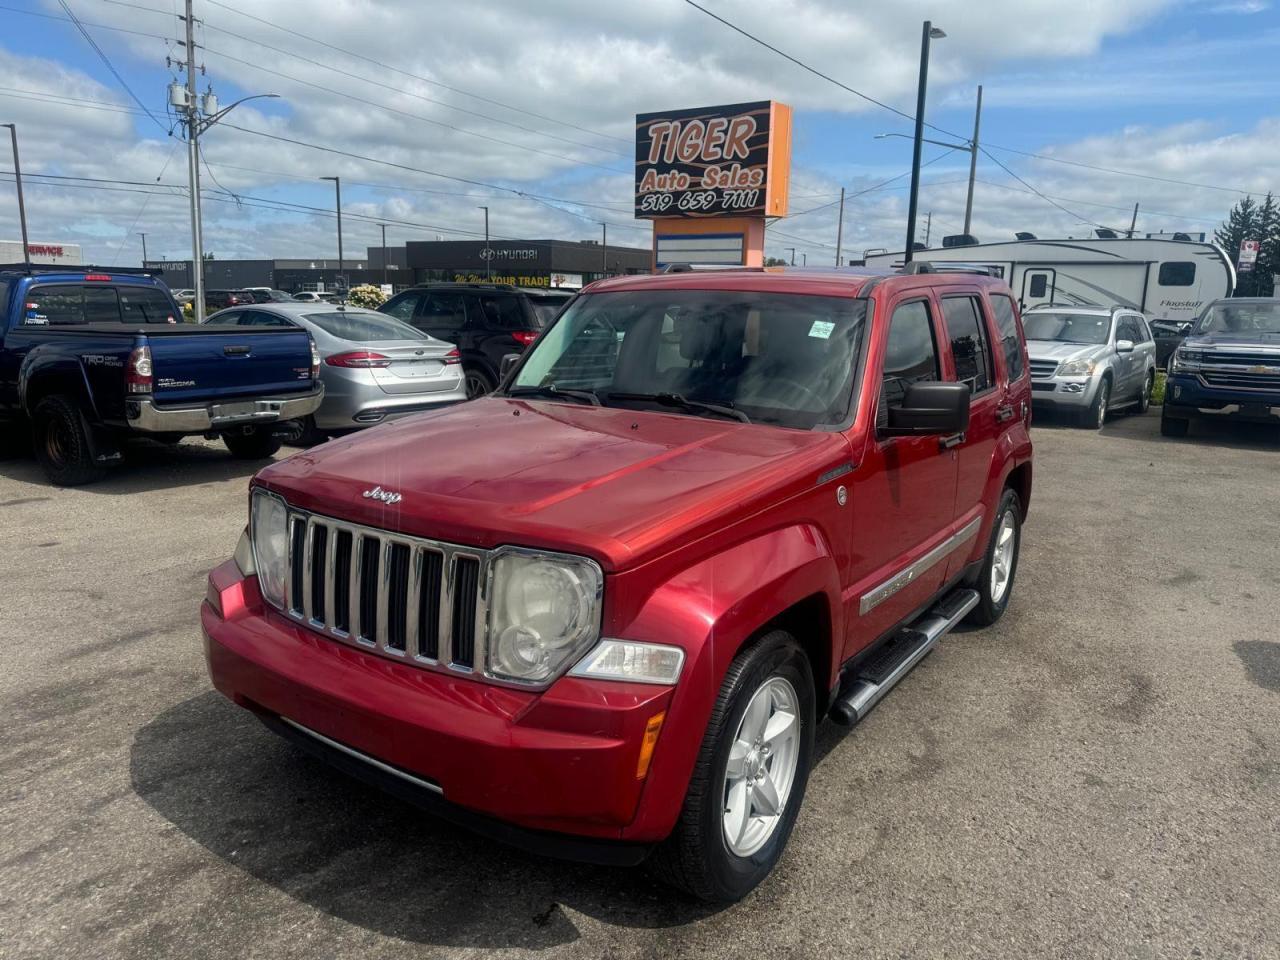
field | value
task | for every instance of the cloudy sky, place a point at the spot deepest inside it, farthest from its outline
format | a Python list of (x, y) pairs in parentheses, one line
[(428, 109)]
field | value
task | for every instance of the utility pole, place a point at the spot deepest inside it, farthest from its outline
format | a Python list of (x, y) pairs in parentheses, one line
[(384, 253), (793, 255), (193, 170), (804, 259), (973, 162), (488, 254), (337, 186), (22, 207), (144, 250), (604, 250), (927, 33), (1133, 224), (840, 228), (928, 227)]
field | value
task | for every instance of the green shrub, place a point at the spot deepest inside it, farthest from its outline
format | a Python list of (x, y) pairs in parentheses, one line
[(1157, 390), (366, 295)]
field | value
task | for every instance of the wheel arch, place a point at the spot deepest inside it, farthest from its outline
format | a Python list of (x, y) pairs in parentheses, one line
[(40, 378)]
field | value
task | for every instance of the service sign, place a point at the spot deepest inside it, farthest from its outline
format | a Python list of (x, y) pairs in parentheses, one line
[(726, 161)]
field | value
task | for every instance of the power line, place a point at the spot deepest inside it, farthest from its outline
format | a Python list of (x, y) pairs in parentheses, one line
[(1044, 197), (1094, 203), (405, 113), (870, 189), (110, 66), (96, 26), (1122, 173), (406, 73)]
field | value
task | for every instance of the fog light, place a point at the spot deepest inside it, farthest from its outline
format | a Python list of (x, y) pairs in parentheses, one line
[(1177, 392)]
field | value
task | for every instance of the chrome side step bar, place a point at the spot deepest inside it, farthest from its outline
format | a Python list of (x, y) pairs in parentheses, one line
[(898, 655)]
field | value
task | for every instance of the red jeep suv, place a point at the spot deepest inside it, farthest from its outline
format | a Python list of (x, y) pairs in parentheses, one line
[(600, 612)]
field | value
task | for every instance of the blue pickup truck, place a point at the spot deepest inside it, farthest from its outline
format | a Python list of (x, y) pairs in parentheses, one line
[(89, 358), (1228, 367)]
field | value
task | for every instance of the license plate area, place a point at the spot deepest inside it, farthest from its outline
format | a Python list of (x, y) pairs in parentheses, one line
[(244, 410)]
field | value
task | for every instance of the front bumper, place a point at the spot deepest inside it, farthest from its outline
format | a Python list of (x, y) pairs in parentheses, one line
[(1187, 397), (146, 416), (561, 763), (346, 413), (1069, 393)]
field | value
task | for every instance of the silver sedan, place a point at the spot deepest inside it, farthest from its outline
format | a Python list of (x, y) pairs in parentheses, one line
[(374, 367)]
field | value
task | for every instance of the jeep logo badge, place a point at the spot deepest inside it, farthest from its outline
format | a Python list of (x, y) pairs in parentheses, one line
[(386, 496)]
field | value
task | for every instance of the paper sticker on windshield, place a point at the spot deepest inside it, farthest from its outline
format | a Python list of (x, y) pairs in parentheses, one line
[(822, 329)]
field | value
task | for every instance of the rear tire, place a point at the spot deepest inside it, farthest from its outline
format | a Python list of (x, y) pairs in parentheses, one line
[(999, 564), (311, 434), (697, 857), (258, 444), (1173, 426), (478, 382), (63, 444)]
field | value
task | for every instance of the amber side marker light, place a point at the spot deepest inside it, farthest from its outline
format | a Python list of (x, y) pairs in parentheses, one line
[(650, 741)]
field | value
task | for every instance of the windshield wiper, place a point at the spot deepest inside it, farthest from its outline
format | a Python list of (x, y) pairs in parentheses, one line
[(551, 390), (679, 400)]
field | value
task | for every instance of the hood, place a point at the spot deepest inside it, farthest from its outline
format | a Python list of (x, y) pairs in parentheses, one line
[(619, 485), (1227, 340), (1055, 350)]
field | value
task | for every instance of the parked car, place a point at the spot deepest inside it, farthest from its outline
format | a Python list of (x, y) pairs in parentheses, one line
[(1168, 334), (1090, 361), (310, 296), (90, 359), (486, 321), (374, 368), (1228, 367), (601, 611), (221, 299), (268, 295), (547, 303), (184, 296)]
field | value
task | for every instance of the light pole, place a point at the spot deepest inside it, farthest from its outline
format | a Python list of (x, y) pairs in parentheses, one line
[(488, 254), (341, 279), (144, 250), (384, 253), (604, 250), (928, 32), (22, 207), (793, 255)]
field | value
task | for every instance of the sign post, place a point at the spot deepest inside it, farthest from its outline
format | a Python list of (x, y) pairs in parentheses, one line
[(708, 177), (1248, 255)]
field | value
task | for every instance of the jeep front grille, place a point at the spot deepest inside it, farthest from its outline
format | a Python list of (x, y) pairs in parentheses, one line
[(418, 600)]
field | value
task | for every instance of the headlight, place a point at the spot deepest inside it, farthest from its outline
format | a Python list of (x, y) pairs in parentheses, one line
[(1077, 368), (544, 612), (633, 661), (1187, 359), (270, 529)]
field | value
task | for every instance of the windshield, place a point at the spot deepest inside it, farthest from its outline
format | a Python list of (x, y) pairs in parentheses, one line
[(1247, 318), (364, 326), (1067, 327), (783, 360)]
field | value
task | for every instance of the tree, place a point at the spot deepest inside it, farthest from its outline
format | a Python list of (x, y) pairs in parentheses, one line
[(1249, 220), (366, 295), (774, 262)]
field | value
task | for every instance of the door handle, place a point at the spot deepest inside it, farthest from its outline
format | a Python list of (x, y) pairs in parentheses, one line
[(946, 443), (1005, 413)]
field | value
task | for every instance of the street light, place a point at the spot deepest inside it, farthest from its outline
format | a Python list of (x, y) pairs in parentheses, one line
[(793, 255), (144, 250), (341, 279), (927, 33), (22, 208), (488, 255)]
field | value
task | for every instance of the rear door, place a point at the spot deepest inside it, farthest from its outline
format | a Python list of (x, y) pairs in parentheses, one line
[(969, 336), (903, 491)]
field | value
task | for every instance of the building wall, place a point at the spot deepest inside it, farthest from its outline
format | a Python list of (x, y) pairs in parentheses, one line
[(45, 253)]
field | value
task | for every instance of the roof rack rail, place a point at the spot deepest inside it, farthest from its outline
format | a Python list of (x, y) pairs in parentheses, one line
[(926, 266), (35, 268), (706, 267)]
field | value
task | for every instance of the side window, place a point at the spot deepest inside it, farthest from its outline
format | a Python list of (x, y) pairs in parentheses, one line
[(1143, 328), (101, 305), (232, 318), (448, 310), (1176, 273), (502, 313), (53, 306), (969, 345), (1039, 285), (256, 318), (910, 355), (1125, 330), (1010, 342), (404, 306)]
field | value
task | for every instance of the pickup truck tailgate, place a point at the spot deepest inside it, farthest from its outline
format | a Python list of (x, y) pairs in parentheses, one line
[(212, 363)]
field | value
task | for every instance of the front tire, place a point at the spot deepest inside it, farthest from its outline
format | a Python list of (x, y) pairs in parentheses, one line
[(750, 778), (1144, 400), (257, 444), (1096, 416), (1000, 563), (63, 445)]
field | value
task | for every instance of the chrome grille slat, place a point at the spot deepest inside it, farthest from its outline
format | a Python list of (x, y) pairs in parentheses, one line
[(390, 577), (1042, 369)]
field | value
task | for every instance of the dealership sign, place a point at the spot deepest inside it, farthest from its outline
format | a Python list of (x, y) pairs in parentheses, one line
[(726, 161), (1248, 255)]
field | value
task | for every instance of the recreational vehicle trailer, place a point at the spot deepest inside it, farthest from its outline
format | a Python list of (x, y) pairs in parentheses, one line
[(1165, 279)]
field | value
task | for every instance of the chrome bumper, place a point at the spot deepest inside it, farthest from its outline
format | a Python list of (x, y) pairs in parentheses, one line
[(147, 417)]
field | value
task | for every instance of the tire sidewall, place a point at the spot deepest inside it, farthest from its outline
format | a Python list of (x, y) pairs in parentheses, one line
[(735, 876), (78, 466), (988, 611), (470, 371)]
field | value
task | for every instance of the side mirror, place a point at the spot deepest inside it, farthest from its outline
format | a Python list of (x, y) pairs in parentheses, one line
[(930, 408), (1124, 346), (509, 362)]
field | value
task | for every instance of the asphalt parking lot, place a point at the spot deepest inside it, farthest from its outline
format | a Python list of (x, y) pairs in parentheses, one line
[(1096, 776)]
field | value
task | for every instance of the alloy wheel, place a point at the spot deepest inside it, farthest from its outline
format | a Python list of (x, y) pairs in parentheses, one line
[(476, 387), (1002, 557), (1104, 398), (762, 767)]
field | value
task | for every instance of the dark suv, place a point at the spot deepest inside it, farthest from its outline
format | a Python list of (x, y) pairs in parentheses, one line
[(221, 299), (486, 321)]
